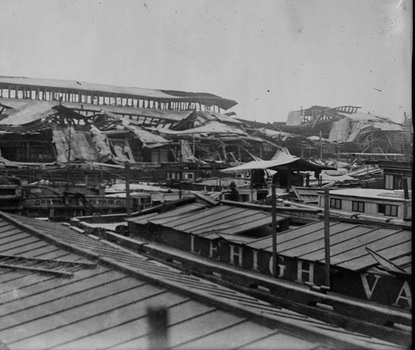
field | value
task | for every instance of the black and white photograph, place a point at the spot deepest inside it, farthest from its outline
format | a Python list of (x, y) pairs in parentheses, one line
[(206, 174)]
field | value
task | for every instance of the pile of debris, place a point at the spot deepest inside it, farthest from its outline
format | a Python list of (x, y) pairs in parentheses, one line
[(61, 124)]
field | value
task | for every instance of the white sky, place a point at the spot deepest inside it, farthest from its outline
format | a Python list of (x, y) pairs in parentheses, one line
[(271, 56)]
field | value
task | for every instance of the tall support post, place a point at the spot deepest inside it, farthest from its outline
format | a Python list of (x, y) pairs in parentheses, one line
[(127, 187), (405, 196), (289, 178), (68, 165), (274, 230), (326, 237), (180, 170)]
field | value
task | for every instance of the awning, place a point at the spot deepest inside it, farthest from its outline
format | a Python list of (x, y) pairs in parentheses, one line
[(284, 161)]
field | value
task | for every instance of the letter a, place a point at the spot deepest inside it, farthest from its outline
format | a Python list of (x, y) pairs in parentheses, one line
[(404, 294)]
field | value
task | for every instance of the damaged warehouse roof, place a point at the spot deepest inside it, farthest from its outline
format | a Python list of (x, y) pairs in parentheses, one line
[(75, 136), (145, 116), (78, 86), (345, 129), (34, 111), (170, 129)]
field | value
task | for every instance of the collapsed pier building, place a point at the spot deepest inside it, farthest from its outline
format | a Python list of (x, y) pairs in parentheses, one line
[(55, 123), (46, 121), (346, 131)]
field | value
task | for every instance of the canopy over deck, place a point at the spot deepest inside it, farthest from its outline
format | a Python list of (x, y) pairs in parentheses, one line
[(283, 162)]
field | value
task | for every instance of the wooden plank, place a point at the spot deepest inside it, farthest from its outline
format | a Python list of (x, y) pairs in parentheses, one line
[(17, 234), (207, 216), (338, 239), (16, 239), (182, 217), (403, 247), (142, 219), (302, 244), (403, 260), (14, 277), (3, 223), (343, 249), (57, 273), (234, 238), (177, 212), (135, 323), (23, 248), (386, 240), (59, 312), (232, 223), (390, 252), (61, 262), (42, 289), (99, 316), (237, 336), (279, 340), (206, 324), (218, 219), (300, 232), (186, 209), (264, 242), (51, 252), (315, 241), (245, 225), (9, 230), (357, 258)]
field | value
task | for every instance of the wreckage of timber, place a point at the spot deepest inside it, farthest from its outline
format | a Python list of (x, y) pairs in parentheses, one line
[(55, 122)]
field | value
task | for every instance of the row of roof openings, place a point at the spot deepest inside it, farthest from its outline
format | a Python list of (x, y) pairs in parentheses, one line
[(166, 95)]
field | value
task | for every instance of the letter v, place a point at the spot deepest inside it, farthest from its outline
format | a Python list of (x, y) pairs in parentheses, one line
[(368, 290)]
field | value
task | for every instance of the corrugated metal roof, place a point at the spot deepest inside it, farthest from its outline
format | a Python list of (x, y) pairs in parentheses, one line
[(111, 89), (365, 117), (168, 115), (12, 104), (106, 307), (146, 137), (210, 128), (220, 117), (347, 243), (30, 112), (80, 145), (277, 135)]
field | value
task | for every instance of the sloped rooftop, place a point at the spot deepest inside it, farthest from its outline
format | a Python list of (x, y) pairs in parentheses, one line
[(106, 306), (200, 220), (347, 244)]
